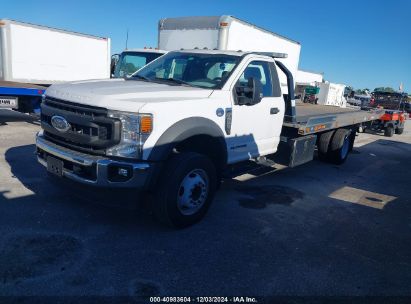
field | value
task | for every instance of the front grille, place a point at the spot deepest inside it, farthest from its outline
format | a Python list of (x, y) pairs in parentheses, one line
[(90, 129)]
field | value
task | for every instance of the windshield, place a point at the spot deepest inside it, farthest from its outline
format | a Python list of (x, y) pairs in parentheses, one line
[(131, 62), (199, 70)]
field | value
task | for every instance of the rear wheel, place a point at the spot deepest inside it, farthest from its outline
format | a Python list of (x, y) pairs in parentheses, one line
[(389, 131), (186, 190), (399, 131), (324, 144), (340, 146), (352, 139)]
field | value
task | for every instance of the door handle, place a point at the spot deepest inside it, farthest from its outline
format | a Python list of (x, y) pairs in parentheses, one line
[(274, 111)]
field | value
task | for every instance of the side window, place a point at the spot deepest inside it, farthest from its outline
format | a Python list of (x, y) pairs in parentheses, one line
[(276, 80), (260, 71)]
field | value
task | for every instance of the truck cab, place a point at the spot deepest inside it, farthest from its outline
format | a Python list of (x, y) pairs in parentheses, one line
[(170, 129), (129, 61)]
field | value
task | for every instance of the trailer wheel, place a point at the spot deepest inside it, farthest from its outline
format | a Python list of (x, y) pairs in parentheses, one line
[(399, 131), (186, 190), (324, 144), (389, 131), (340, 146)]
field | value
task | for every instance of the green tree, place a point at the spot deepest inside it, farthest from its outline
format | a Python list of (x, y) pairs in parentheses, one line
[(389, 89), (384, 89)]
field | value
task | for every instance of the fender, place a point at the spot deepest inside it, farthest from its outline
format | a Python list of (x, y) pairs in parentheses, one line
[(182, 130)]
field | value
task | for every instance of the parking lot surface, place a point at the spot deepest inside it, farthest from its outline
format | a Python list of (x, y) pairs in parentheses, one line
[(317, 229)]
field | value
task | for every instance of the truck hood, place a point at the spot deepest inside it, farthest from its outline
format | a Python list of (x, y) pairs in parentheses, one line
[(123, 95)]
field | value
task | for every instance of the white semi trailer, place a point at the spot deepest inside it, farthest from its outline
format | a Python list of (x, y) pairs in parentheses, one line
[(226, 33), (33, 57)]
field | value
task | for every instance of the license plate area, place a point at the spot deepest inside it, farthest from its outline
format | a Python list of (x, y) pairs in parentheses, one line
[(7, 102), (55, 166)]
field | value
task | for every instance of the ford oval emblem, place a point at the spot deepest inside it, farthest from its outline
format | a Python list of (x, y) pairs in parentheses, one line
[(219, 112), (60, 123)]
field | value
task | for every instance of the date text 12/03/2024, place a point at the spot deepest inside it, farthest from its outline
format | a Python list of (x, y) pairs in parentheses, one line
[(203, 300)]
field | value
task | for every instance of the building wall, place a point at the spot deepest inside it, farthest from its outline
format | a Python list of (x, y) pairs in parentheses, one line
[(308, 78)]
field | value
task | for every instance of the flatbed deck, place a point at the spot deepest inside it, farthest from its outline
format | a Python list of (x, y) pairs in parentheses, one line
[(312, 118), (11, 84)]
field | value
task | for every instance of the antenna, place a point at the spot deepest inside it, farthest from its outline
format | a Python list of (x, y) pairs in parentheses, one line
[(127, 39)]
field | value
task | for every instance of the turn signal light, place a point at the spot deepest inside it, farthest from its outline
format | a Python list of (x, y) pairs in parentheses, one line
[(146, 124)]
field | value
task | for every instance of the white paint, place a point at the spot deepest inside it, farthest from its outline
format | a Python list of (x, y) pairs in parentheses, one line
[(237, 35), (254, 127), (172, 40), (36, 54), (331, 94), (170, 104), (307, 78)]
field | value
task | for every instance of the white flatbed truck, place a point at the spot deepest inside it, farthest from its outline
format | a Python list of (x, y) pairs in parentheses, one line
[(180, 122)]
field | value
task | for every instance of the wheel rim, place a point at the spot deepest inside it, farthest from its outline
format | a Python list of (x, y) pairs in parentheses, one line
[(345, 148), (193, 191)]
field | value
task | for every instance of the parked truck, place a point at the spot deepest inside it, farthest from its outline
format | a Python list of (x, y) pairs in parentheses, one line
[(227, 33), (32, 57), (177, 125), (129, 61)]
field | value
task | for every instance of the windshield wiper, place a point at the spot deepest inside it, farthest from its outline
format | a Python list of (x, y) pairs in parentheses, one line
[(139, 77), (174, 80)]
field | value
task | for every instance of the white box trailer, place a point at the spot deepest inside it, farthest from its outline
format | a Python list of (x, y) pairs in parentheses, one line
[(331, 94), (226, 33), (33, 56), (37, 54), (308, 78)]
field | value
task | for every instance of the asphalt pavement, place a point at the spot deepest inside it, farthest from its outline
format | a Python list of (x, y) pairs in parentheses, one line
[(315, 230)]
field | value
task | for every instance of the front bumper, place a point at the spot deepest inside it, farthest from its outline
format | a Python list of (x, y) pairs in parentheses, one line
[(95, 170)]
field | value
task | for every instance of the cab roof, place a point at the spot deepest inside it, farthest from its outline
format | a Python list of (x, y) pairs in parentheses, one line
[(146, 50), (231, 53)]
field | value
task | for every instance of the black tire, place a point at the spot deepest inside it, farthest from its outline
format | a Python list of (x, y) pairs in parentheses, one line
[(323, 145), (389, 131), (340, 146), (352, 139), (399, 131), (180, 167)]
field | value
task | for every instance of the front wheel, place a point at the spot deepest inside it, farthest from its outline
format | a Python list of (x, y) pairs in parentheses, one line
[(186, 189)]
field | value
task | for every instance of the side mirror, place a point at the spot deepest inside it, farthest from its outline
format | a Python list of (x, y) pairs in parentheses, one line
[(257, 89), (114, 60), (250, 94)]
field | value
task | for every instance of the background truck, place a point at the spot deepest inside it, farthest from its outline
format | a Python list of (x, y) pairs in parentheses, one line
[(226, 33), (32, 57), (176, 126), (129, 61)]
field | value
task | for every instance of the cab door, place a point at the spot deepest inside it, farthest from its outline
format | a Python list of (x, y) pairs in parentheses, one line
[(256, 125)]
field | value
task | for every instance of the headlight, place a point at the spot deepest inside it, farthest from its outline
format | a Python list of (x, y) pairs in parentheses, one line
[(135, 129)]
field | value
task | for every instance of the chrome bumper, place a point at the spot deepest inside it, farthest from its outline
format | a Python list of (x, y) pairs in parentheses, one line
[(141, 172)]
